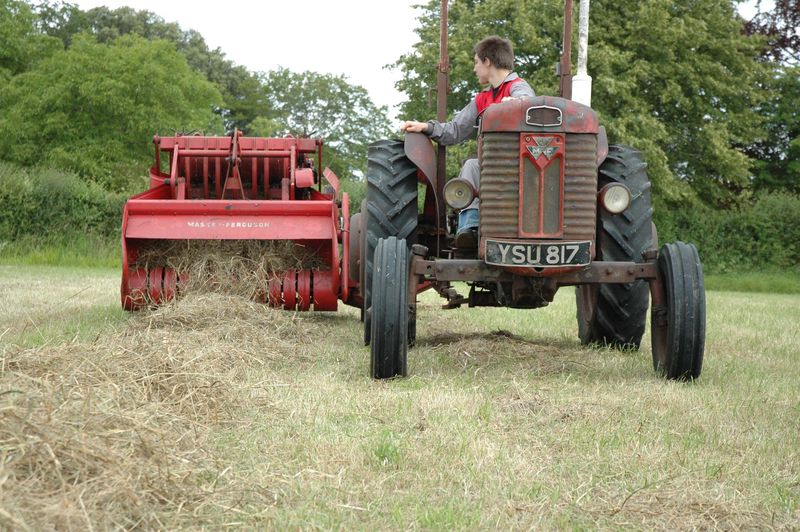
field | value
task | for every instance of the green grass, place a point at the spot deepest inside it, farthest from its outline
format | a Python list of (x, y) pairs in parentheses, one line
[(78, 251), (758, 282), (504, 422)]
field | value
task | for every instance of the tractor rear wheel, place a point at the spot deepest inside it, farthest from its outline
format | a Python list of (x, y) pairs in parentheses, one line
[(391, 208), (615, 314), (390, 311), (679, 327)]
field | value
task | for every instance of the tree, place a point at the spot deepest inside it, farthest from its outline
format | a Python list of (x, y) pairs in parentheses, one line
[(22, 45), (94, 108), (240, 88), (310, 104), (781, 27), (778, 155), (678, 80)]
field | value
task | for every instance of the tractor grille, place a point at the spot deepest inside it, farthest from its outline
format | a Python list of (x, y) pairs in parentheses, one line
[(500, 186)]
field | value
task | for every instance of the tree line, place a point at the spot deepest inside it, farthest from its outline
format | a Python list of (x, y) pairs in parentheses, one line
[(85, 91), (709, 97)]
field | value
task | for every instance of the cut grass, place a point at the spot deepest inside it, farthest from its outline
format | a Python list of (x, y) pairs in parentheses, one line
[(504, 422), (41, 304)]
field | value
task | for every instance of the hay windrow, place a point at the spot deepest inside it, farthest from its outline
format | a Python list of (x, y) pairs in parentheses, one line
[(115, 433), (235, 267)]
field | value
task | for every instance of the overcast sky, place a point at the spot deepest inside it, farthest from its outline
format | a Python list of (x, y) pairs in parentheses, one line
[(356, 38)]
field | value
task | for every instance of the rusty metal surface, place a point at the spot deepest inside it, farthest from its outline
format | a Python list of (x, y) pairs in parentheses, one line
[(477, 270), (419, 150), (580, 188), (541, 211), (565, 65), (500, 187), (510, 116)]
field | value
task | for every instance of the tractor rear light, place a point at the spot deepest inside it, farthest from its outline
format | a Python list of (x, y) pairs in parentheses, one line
[(614, 197), (458, 193)]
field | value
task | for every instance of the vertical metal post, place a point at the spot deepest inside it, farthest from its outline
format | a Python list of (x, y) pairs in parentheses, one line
[(565, 66), (582, 81), (441, 111)]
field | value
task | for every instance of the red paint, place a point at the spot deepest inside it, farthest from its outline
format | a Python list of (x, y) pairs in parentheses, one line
[(541, 162), (510, 116), (267, 186)]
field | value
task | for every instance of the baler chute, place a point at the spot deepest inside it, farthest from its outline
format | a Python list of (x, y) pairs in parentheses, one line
[(239, 188)]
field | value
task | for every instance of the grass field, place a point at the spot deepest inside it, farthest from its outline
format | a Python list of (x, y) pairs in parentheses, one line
[(221, 413)]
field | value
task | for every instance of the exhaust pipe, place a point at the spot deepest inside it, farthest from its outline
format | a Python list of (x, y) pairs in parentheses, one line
[(582, 82)]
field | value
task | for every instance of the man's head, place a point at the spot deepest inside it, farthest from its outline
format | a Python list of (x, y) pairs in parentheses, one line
[(497, 50)]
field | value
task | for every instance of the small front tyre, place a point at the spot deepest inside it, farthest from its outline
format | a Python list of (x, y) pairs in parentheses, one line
[(389, 311), (679, 325)]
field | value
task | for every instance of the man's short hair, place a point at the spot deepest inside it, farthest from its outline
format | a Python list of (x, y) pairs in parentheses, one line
[(498, 50)]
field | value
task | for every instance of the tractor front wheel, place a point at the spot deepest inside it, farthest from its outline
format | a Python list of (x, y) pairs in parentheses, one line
[(678, 327), (390, 208), (390, 311)]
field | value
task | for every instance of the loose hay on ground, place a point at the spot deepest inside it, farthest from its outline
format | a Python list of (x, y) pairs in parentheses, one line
[(234, 267), (114, 433)]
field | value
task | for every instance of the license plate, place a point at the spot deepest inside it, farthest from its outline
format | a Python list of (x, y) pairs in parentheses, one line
[(537, 254)]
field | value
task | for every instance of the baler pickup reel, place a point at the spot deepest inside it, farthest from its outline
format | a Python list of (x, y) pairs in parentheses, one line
[(241, 213)]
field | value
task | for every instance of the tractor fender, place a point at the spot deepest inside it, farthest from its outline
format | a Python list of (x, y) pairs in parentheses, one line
[(419, 150), (602, 145)]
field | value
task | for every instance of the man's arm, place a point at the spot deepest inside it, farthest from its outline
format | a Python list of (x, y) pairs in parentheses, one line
[(456, 131)]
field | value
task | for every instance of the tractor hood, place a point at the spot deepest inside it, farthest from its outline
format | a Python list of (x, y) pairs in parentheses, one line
[(541, 113)]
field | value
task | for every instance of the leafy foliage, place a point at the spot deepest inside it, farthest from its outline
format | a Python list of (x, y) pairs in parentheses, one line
[(678, 80), (309, 104), (241, 92), (759, 234), (781, 26), (778, 154), (54, 205), (274, 103), (93, 108), (22, 45)]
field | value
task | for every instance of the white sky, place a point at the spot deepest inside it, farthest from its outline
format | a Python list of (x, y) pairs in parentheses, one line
[(356, 38)]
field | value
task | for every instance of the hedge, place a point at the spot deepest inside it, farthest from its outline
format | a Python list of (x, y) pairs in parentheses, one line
[(57, 208), (762, 234), (54, 206)]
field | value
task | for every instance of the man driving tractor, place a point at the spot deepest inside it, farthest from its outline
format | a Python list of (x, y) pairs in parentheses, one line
[(494, 64)]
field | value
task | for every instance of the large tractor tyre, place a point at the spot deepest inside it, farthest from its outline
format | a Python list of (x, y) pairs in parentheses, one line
[(615, 314), (390, 311), (679, 327), (391, 207)]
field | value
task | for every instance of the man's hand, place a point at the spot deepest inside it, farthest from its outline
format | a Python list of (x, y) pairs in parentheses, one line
[(509, 98), (410, 126)]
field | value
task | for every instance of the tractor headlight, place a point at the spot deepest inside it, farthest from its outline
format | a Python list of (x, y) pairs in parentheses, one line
[(615, 197), (458, 193)]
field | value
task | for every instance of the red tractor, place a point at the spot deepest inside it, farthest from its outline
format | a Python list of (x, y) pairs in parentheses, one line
[(559, 207)]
